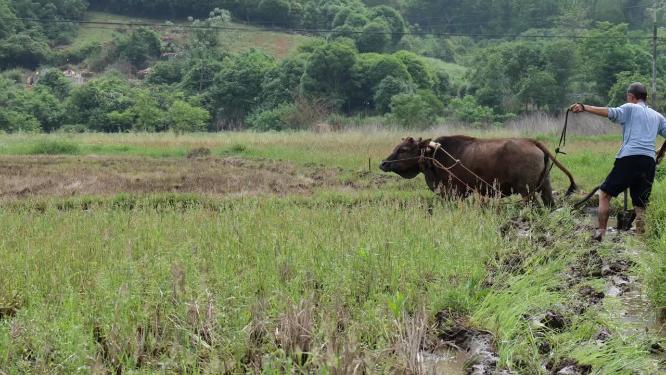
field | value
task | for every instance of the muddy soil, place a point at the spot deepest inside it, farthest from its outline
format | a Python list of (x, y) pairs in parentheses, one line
[(635, 312), (476, 349), (92, 175)]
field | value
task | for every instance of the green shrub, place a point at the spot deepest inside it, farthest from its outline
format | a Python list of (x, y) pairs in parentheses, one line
[(281, 117), (184, 117), (387, 89), (467, 109), (72, 129), (419, 109), (54, 148), (12, 121)]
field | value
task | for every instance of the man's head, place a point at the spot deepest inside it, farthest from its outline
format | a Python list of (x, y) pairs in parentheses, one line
[(636, 92)]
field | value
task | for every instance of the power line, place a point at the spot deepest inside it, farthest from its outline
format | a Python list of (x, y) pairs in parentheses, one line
[(328, 31)]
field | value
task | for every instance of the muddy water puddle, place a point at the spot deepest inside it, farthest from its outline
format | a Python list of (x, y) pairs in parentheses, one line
[(444, 362), (636, 311)]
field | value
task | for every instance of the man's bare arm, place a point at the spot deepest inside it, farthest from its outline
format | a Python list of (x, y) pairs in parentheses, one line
[(599, 111)]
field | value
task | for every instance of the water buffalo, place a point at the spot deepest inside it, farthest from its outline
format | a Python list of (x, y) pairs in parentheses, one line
[(490, 167)]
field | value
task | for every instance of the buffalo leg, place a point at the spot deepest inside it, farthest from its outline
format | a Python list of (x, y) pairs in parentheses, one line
[(547, 193)]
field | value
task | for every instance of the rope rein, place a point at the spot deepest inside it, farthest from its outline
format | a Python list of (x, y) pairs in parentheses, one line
[(558, 149), (563, 141)]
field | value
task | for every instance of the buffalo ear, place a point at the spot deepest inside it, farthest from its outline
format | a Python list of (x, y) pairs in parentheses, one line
[(424, 143)]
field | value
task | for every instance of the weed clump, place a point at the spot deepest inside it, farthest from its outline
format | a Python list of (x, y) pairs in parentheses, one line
[(199, 152), (54, 148)]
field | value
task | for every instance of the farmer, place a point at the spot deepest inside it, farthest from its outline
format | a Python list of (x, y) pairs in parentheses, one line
[(635, 163)]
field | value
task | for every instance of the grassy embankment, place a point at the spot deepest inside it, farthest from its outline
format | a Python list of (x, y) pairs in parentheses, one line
[(191, 282), (274, 43)]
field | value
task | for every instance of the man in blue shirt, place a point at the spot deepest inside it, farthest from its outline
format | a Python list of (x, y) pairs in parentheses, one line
[(635, 163)]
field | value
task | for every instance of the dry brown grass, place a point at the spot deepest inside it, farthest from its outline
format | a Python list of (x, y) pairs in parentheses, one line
[(410, 338), (295, 331), (579, 124)]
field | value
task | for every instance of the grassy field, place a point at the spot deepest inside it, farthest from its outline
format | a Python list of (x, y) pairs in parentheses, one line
[(241, 38), (286, 252), (274, 43)]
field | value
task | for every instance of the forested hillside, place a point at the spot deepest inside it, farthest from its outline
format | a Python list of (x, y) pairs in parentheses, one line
[(412, 63)]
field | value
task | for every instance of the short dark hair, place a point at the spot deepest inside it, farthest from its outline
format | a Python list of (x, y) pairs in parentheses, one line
[(638, 90)]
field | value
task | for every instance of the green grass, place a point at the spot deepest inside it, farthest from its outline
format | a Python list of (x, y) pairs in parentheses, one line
[(275, 43), (122, 271), (456, 72), (588, 158), (654, 261), (102, 34), (53, 147), (188, 283)]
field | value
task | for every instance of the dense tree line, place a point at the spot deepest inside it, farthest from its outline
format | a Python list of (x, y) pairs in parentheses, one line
[(472, 16), (26, 43), (367, 66), (107, 104)]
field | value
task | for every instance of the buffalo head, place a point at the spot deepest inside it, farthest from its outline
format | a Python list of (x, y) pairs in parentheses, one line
[(404, 160)]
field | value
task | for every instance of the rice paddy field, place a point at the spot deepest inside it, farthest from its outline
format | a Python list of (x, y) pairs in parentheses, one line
[(293, 253)]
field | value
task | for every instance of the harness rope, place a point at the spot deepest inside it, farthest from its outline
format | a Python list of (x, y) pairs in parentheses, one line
[(437, 164)]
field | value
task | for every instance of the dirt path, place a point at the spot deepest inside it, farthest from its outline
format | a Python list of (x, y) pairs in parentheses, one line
[(91, 175), (613, 264)]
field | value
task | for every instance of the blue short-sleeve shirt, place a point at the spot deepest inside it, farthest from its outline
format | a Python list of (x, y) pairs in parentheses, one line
[(640, 126)]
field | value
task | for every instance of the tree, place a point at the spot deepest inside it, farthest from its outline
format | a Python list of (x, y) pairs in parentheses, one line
[(204, 37), (12, 121), (141, 45), (539, 88), (236, 89), (278, 118), (392, 18), (25, 49), (467, 109), (368, 72), (561, 62), (418, 69), (166, 73), (618, 92), (93, 103), (387, 89), (608, 52), (321, 13), (183, 117), (145, 113), (200, 75), (9, 22), (418, 109), (508, 75), (277, 12), (328, 73), (375, 37), (56, 82), (280, 84)]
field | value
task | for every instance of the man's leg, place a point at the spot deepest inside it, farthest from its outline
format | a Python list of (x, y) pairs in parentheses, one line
[(640, 194), (640, 219), (602, 214)]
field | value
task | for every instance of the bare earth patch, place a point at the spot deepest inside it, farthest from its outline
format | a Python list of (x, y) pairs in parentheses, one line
[(93, 175)]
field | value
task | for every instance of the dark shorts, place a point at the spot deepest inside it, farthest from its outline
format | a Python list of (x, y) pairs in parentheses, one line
[(635, 173)]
